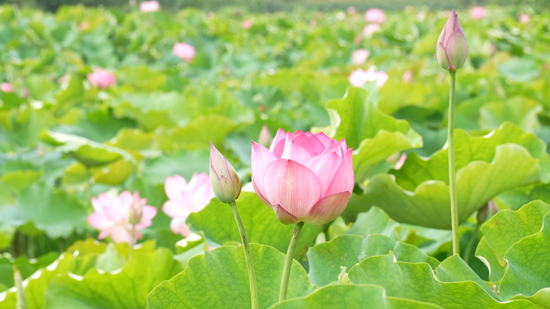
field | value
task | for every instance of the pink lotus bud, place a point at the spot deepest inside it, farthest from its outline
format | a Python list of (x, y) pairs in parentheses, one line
[(375, 16), (223, 177), (370, 29), (149, 6), (136, 209), (303, 177), (477, 12), (101, 78), (186, 198), (352, 10), (359, 77), (111, 216), (6, 87), (265, 136), (247, 24), (360, 56), (408, 76), (524, 18), (184, 51), (452, 47)]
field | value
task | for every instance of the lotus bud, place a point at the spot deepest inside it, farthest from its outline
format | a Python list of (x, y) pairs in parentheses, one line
[(452, 47), (223, 177), (265, 136), (135, 212)]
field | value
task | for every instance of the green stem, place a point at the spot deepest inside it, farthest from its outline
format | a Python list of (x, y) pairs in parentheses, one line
[(247, 256), (132, 242), (20, 290), (452, 172), (289, 259)]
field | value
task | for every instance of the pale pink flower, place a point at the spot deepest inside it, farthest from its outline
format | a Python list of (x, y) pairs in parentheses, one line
[(477, 12), (184, 51), (149, 6), (186, 198), (111, 216), (6, 87), (101, 78), (524, 18), (401, 161), (408, 76), (247, 24), (360, 56), (303, 177), (370, 29), (359, 77), (313, 22), (375, 16), (352, 10)]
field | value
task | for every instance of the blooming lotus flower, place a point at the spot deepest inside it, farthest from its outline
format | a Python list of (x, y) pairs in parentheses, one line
[(452, 47), (186, 198), (303, 177), (375, 16), (6, 87), (370, 29), (477, 12), (111, 216), (223, 177), (524, 18), (184, 51), (101, 78), (360, 56), (149, 6), (247, 24), (359, 77)]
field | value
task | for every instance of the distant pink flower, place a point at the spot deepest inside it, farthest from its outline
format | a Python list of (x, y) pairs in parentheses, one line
[(303, 177), (6, 87), (408, 76), (352, 10), (84, 25), (375, 16), (360, 56), (370, 29), (247, 24), (359, 77), (401, 161), (477, 12), (111, 216), (184, 51), (101, 78), (524, 18), (186, 198), (149, 6), (313, 22)]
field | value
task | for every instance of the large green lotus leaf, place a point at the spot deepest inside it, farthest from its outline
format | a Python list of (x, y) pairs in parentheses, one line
[(477, 183), (350, 296), (217, 222), (139, 144), (521, 111), (528, 269), (51, 210), (40, 87), (88, 152), (541, 299), (23, 126), (504, 230), (141, 78), (142, 274), (36, 285), (197, 133), (26, 267), (71, 92), (326, 259), (218, 279), (376, 221), (183, 163), (375, 134), (417, 281), (455, 269), (11, 183)]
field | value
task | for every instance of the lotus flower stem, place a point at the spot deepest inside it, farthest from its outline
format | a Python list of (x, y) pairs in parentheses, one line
[(21, 298), (289, 258), (132, 242), (452, 172), (247, 256)]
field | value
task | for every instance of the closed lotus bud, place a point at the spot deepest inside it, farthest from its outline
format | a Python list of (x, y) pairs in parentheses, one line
[(223, 177), (135, 212), (265, 136), (452, 47)]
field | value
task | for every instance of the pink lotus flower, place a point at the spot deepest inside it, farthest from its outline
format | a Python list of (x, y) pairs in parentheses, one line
[(524, 18), (477, 12), (6, 87), (359, 77), (303, 177), (186, 198), (408, 76), (375, 16), (149, 6), (360, 56), (101, 78), (370, 29), (184, 51), (111, 216), (247, 24)]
